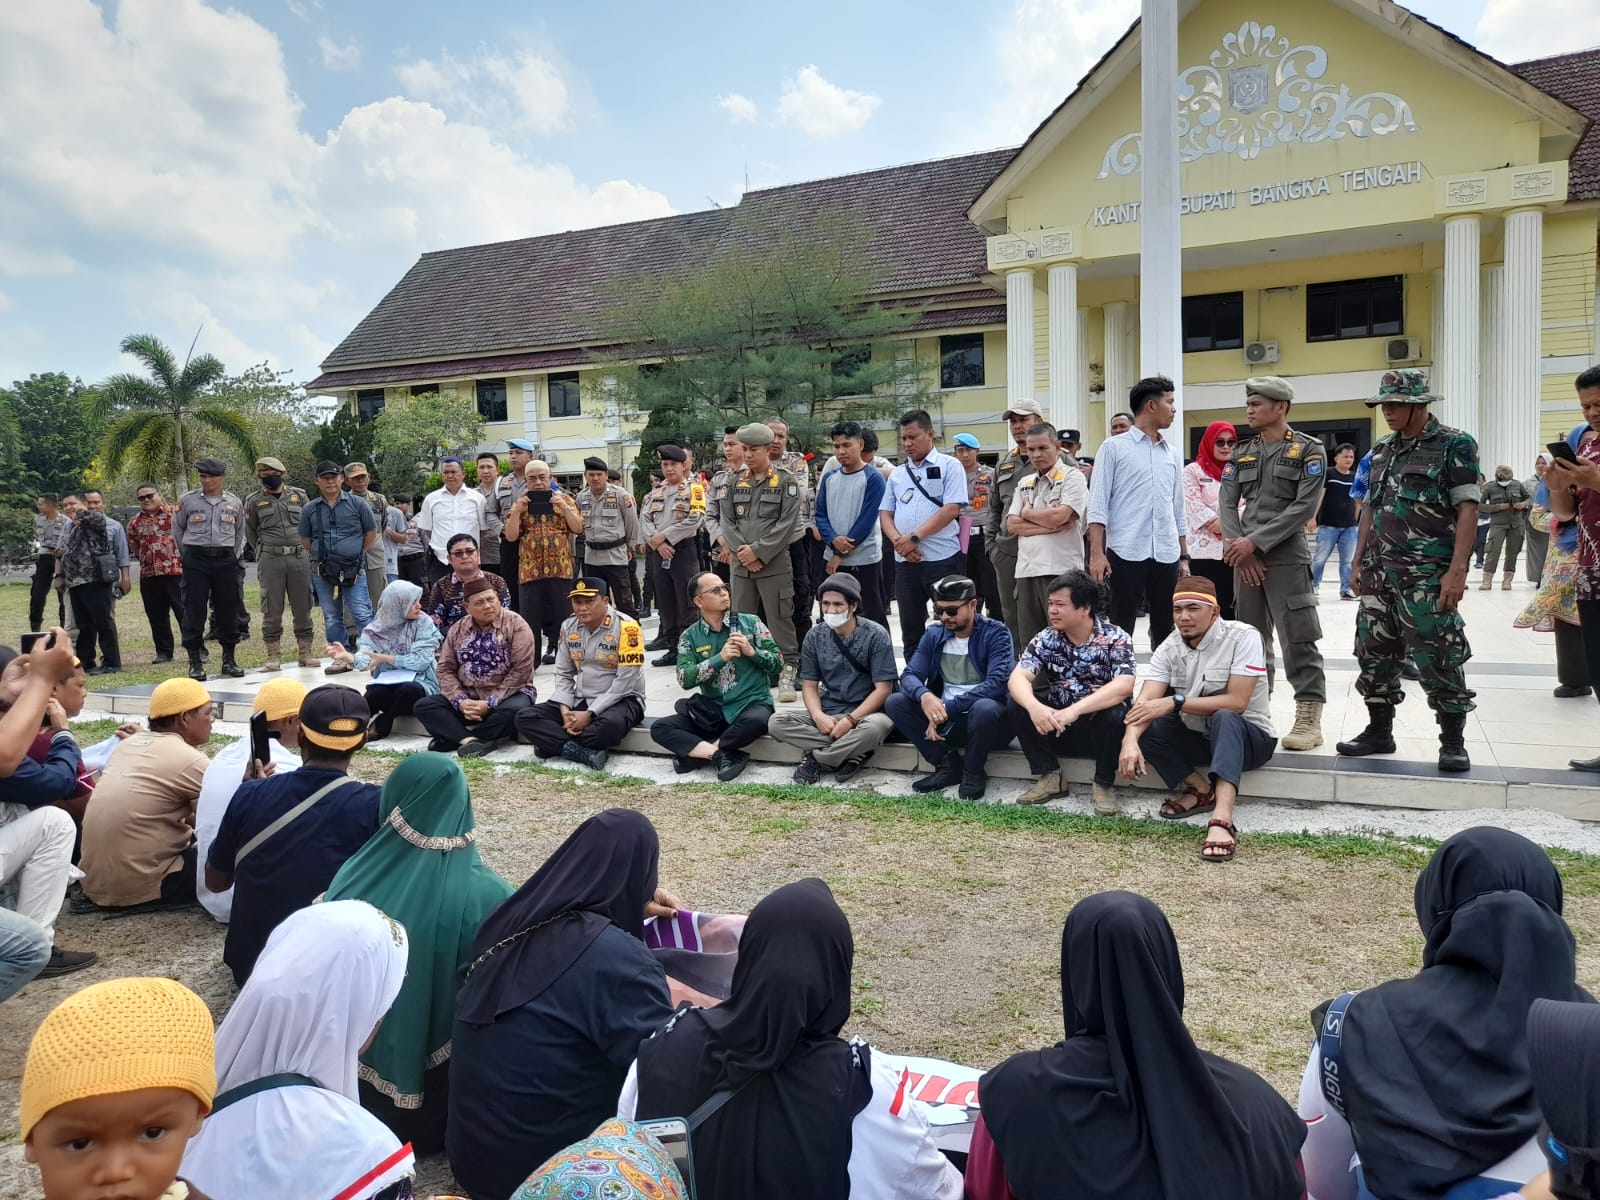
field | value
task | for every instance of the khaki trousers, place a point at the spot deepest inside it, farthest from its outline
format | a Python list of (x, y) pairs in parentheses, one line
[(772, 594), (284, 576), (794, 726)]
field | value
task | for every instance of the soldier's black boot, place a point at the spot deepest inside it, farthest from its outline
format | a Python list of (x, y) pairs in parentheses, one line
[(1376, 738), (197, 669), (1453, 742), (230, 668)]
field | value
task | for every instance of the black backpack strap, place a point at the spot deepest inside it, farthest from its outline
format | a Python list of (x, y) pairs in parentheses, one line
[(265, 1084), (713, 1103)]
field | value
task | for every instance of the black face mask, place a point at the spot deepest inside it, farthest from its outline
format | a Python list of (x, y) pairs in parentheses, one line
[(272, 482)]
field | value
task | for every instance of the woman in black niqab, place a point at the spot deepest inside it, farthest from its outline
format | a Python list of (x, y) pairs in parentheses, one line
[(1128, 1105), (1435, 1067), (788, 1131)]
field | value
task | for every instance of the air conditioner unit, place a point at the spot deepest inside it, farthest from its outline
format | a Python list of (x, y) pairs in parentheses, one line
[(1260, 352), (1402, 349)]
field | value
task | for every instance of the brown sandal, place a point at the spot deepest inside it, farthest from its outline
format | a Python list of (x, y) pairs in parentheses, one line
[(1225, 851), (1174, 808)]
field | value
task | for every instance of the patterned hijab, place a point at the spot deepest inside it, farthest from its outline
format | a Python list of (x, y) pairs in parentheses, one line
[(619, 1161), (390, 631)]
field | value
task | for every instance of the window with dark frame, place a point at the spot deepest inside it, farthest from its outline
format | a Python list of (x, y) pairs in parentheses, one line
[(424, 389), (1355, 308), (564, 400), (492, 399), (961, 360), (369, 403), (1214, 322)]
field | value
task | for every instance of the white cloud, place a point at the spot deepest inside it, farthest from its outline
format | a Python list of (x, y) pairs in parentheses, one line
[(524, 87), (5, 302), (1506, 31), (741, 110), (822, 109), (23, 262), (339, 58)]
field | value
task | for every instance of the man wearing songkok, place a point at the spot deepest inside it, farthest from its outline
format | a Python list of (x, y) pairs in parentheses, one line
[(734, 660), (119, 1077), (284, 838), (1204, 700), (1086, 663), (485, 676), (953, 691), (599, 692), (847, 671)]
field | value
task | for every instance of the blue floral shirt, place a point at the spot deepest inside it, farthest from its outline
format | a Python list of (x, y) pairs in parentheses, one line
[(1073, 672)]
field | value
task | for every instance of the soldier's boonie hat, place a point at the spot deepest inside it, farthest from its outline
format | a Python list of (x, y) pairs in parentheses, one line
[(211, 466), (671, 453), (587, 587), (1024, 408), (1270, 386), (271, 464), (328, 468), (594, 464), (522, 444), (1407, 385), (965, 439), (756, 434)]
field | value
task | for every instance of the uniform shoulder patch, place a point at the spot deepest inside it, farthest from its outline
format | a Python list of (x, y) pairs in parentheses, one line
[(630, 645), (1228, 471), (1314, 467), (793, 489), (1028, 480)]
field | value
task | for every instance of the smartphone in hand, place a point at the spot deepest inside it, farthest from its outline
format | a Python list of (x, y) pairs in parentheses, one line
[(260, 739)]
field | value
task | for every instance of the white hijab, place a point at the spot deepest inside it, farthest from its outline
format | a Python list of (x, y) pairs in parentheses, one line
[(319, 989)]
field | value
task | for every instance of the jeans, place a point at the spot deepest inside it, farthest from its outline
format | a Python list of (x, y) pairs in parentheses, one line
[(24, 951), (332, 599), (1329, 536), (976, 732)]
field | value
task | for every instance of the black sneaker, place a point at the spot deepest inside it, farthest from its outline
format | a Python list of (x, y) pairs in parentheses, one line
[(808, 770), (730, 764), (441, 746), (852, 767), (683, 764), (65, 962), (666, 660), (946, 774), (973, 785), (660, 642)]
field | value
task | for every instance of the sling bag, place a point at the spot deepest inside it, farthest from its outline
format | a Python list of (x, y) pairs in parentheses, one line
[(1329, 1043), (287, 818)]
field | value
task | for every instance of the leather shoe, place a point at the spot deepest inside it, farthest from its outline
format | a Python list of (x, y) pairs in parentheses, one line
[(666, 660), (1568, 693), (549, 657), (660, 642), (1584, 764)]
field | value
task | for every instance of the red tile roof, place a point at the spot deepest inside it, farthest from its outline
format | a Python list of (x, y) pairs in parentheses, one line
[(1574, 79)]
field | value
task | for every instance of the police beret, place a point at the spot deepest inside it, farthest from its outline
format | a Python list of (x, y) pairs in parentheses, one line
[(522, 444), (967, 440), (1270, 386), (594, 464), (756, 434), (211, 466), (671, 453)]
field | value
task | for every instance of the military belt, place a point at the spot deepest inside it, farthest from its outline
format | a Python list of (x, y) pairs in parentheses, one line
[(621, 541), (210, 551)]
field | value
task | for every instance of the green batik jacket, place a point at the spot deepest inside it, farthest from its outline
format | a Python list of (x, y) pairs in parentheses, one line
[(734, 685)]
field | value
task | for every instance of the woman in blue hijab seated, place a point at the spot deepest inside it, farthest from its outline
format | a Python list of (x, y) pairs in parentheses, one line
[(558, 996), (1419, 1089), (1128, 1107)]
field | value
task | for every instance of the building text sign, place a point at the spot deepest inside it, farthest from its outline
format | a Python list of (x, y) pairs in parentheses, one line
[(1360, 179)]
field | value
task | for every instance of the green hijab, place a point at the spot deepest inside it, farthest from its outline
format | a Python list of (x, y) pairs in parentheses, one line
[(422, 869)]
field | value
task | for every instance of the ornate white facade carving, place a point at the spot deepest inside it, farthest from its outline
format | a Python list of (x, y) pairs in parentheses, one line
[(1466, 193)]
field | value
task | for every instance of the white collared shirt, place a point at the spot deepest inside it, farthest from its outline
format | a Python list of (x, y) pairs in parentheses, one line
[(444, 516), (1136, 492), (1228, 648)]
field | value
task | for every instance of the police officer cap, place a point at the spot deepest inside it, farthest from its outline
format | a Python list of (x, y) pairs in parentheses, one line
[(755, 434), (965, 439), (271, 464), (325, 467), (594, 464), (211, 466), (1270, 386), (589, 586), (955, 587), (1407, 385), (671, 453), (1071, 437)]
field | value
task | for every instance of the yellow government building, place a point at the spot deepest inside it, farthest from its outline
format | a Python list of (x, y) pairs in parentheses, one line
[(1361, 190)]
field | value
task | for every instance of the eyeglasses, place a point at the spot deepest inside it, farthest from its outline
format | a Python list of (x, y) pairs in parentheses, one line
[(465, 552), (949, 610), (1225, 442), (147, 496), (719, 590)]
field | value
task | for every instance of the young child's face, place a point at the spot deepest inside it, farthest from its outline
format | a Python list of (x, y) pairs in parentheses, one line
[(121, 1146)]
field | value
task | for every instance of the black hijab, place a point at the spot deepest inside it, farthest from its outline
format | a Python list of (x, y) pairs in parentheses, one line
[(788, 1132), (604, 874), (1564, 1054), (1128, 1105), (1435, 1073)]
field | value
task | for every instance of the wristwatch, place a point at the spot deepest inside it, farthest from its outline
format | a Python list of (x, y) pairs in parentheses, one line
[(1178, 699), (916, 539)]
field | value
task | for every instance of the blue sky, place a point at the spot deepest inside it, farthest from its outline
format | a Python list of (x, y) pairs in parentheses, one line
[(265, 171)]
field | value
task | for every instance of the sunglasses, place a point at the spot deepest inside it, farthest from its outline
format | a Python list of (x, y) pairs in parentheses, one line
[(1225, 442), (950, 610), (714, 591), (147, 496), (468, 552)]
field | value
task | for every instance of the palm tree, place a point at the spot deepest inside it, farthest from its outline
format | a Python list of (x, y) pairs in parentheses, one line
[(151, 420)]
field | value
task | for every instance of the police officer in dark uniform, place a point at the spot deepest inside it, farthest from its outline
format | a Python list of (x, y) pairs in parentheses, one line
[(673, 513), (209, 528)]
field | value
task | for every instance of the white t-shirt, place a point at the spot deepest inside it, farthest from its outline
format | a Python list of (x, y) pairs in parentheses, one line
[(892, 1153), (222, 780), (956, 667), (1228, 648)]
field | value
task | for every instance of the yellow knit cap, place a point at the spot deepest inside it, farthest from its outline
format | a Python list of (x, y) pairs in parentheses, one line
[(120, 1036), (280, 698), (174, 696)]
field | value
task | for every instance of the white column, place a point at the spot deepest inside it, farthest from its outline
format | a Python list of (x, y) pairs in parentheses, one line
[(1461, 265), (1065, 349), (1438, 376), (532, 397), (1160, 235), (1523, 329), (1080, 386), (1019, 335), (1119, 363), (1492, 409)]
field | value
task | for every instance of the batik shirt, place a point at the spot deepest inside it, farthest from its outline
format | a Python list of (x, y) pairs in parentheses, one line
[(737, 684), (150, 536), (447, 604), (1074, 672), (489, 662)]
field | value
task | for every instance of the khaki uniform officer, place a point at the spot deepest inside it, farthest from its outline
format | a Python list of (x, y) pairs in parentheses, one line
[(610, 528), (599, 693), (209, 530), (272, 528), (1001, 544), (758, 521), (721, 486), (1278, 474), (673, 513)]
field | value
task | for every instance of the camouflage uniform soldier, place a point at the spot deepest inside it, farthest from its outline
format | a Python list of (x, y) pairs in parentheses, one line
[(1507, 501), (1417, 529)]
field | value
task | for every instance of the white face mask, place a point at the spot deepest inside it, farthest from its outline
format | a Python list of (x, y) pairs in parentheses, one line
[(836, 620)]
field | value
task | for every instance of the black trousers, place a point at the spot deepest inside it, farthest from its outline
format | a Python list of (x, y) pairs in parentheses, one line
[(620, 579), (211, 580), (886, 576), (1097, 736), (635, 591), (1133, 580), (94, 610), (980, 569), (44, 574), (544, 605), (509, 570), (1589, 616), (913, 588), (163, 599), (699, 718), (804, 585), (1572, 667), (540, 726), (672, 580), (440, 718), (413, 568), (393, 699), (1221, 574)]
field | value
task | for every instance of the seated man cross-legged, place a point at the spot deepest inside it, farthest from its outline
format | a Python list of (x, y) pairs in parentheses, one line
[(1205, 700), (734, 661), (1087, 664), (847, 671), (599, 693), (485, 676), (953, 691)]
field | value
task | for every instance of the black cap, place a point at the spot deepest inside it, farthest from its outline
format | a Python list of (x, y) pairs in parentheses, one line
[(842, 582), (952, 588), (594, 464), (588, 586), (334, 718), (672, 453), (614, 475), (1071, 436), (325, 467), (211, 466)]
